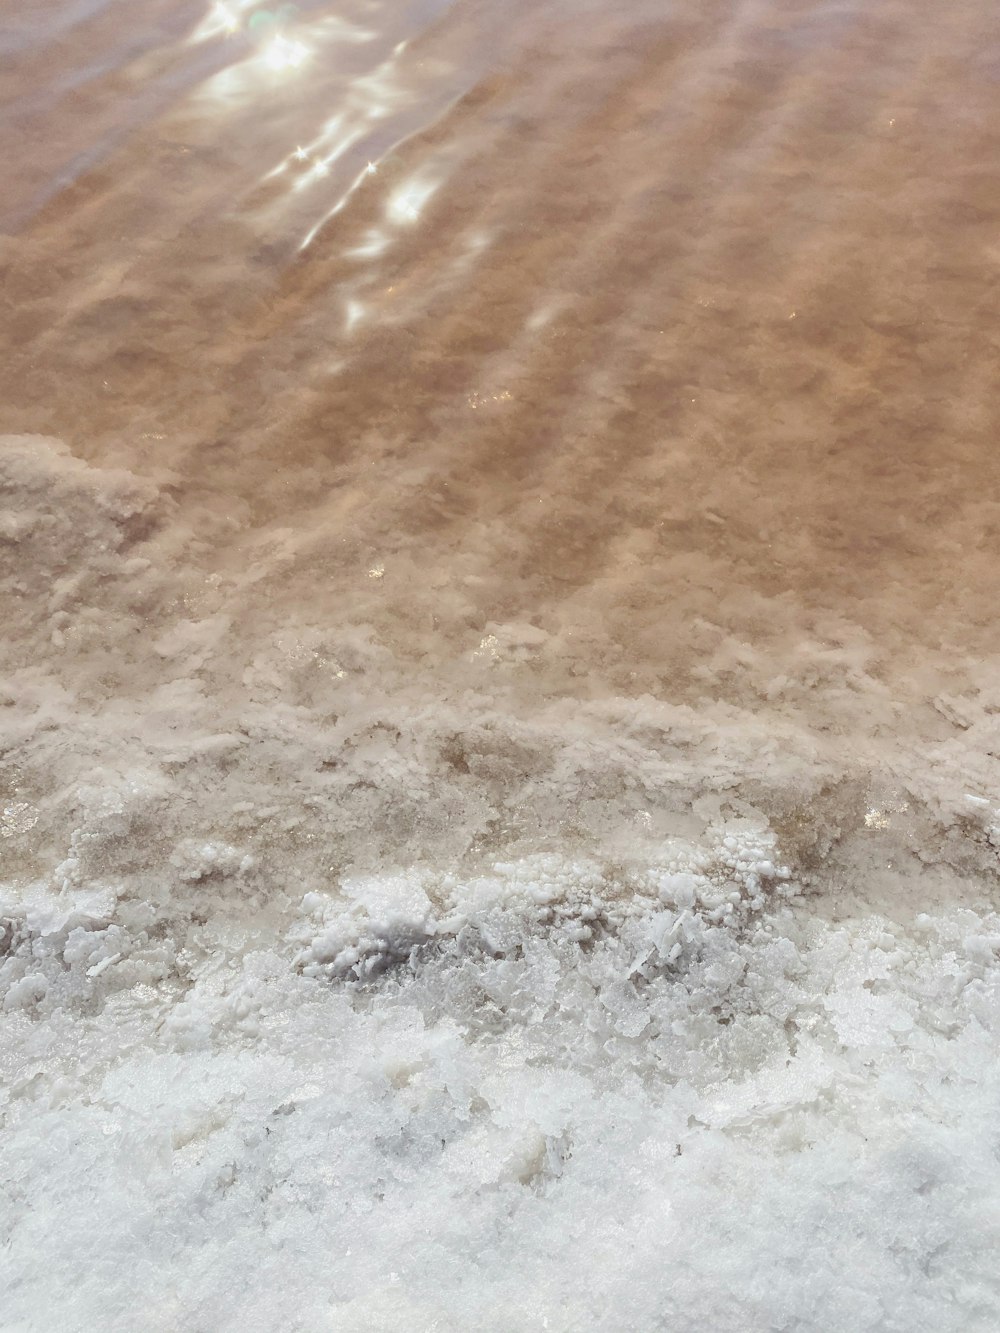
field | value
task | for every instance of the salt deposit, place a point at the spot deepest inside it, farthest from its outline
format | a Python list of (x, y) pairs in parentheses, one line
[(499, 799)]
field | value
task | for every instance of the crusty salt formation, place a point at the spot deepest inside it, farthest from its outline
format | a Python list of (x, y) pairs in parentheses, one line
[(657, 996)]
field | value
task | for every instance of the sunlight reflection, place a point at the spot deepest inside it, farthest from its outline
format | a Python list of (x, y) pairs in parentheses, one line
[(375, 243), (362, 176), (323, 164), (267, 27), (227, 19), (284, 53), (222, 19), (407, 201), (353, 315), (277, 42)]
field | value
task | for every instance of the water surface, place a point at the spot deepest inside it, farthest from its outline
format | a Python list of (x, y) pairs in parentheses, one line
[(661, 325)]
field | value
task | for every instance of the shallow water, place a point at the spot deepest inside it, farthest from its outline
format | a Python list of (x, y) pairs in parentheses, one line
[(666, 325), (505, 649)]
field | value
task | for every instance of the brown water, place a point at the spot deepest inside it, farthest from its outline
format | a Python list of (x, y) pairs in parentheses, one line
[(627, 349)]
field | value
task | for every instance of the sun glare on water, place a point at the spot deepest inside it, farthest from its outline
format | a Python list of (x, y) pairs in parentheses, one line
[(283, 53)]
